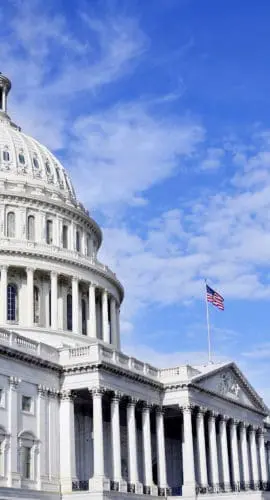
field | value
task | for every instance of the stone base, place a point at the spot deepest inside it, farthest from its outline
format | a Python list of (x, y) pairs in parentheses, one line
[(189, 490), (67, 484), (150, 490), (99, 483)]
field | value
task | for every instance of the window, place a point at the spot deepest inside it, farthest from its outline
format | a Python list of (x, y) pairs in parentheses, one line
[(12, 299), (50, 308), (65, 236), (26, 404), (2, 398), (31, 228), (35, 163), (69, 312), (11, 225), (78, 241), (26, 465), (21, 158), (58, 175), (84, 324), (3, 448), (36, 305), (88, 246), (49, 232), (6, 156), (48, 168)]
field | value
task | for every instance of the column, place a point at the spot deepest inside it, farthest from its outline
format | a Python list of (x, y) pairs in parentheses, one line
[(92, 320), (117, 311), (133, 482), (244, 455), (203, 481), (75, 305), (234, 456), (113, 321), (254, 457), (54, 297), (67, 442), (105, 317), (61, 307), (4, 272), (188, 453), (213, 450), (98, 481), (147, 450), (13, 472), (118, 483), (263, 467), (41, 434), (224, 453), (30, 296), (161, 452)]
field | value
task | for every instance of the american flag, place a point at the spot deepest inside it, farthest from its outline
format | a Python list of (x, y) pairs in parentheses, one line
[(214, 298)]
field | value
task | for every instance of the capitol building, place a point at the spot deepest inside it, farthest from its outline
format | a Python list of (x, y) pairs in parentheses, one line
[(79, 419)]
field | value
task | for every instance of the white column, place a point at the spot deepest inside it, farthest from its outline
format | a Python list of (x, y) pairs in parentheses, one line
[(244, 455), (201, 448), (75, 305), (30, 296), (41, 434), (113, 322), (254, 457), (4, 271), (67, 442), (92, 319), (133, 482), (188, 453), (54, 302), (234, 455), (213, 450), (161, 452), (98, 481), (147, 450), (116, 444), (224, 453), (263, 467), (105, 317), (13, 472), (61, 307), (118, 333)]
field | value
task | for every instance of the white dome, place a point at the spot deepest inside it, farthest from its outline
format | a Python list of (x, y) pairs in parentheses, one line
[(25, 158)]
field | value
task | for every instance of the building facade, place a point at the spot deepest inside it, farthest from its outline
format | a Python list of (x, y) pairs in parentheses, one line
[(79, 418)]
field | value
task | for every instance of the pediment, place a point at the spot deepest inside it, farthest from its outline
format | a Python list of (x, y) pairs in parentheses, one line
[(230, 383)]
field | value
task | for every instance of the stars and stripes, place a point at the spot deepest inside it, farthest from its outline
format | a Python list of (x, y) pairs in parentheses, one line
[(215, 298)]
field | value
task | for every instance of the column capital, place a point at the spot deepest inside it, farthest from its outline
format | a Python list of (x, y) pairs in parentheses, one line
[(147, 407), (243, 425), (43, 390), (4, 267), (160, 410), (132, 401), (235, 421), (224, 418), (54, 274), (261, 431), (213, 414), (14, 382), (96, 391), (117, 395), (187, 408), (201, 411), (67, 395), (30, 269)]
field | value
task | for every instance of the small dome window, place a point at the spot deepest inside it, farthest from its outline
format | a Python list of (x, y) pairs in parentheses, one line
[(58, 175), (21, 159), (6, 156), (48, 168), (35, 163)]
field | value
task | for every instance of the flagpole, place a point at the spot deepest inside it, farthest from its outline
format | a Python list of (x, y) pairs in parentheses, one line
[(208, 326)]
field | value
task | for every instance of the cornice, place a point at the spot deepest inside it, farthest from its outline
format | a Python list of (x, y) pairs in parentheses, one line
[(57, 257), (12, 353)]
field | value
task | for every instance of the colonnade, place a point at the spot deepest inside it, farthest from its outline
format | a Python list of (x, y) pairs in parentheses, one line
[(219, 453), (116, 482), (108, 328)]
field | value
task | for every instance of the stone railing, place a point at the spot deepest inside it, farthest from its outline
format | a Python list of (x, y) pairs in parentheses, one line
[(28, 346), (97, 353)]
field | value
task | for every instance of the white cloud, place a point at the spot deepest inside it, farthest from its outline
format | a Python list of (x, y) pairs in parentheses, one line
[(213, 159)]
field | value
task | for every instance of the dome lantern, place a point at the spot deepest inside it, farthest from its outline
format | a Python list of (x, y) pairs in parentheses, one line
[(5, 86)]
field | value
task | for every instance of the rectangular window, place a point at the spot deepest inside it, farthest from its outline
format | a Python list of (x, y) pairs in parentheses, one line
[(2, 398), (78, 241), (26, 404), (49, 232), (65, 236), (26, 462)]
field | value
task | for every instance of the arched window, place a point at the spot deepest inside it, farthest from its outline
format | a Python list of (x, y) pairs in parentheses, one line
[(69, 311), (84, 324), (48, 168), (35, 163), (12, 302), (36, 304), (6, 156), (11, 225), (21, 158), (49, 232), (65, 236), (78, 241), (88, 246), (27, 445), (31, 228), (58, 175)]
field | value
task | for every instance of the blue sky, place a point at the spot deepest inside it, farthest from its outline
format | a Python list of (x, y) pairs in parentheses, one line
[(159, 109)]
